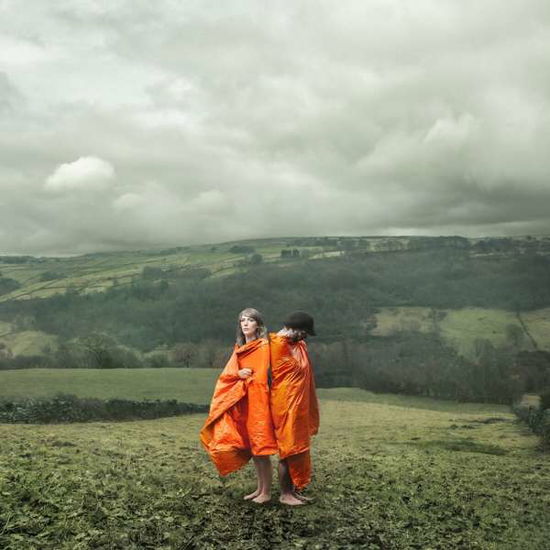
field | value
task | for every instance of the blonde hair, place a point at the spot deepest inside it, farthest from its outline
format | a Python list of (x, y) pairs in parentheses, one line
[(261, 331)]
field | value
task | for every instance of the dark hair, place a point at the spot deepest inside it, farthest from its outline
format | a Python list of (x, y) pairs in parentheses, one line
[(261, 331), (300, 320)]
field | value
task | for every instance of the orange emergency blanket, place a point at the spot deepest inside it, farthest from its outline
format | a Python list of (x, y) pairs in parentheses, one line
[(294, 405), (239, 424)]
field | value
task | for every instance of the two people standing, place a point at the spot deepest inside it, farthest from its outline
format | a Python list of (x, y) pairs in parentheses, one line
[(253, 418)]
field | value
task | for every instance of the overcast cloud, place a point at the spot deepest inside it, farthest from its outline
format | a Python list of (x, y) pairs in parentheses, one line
[(129, 124)]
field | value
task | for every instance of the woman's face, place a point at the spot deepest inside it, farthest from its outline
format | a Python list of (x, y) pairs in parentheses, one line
[(249, 326)]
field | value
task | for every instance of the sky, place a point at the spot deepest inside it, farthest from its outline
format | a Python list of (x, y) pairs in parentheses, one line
[(133, 124)]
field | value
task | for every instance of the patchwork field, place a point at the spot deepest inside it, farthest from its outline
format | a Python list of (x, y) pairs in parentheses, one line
[(354, 270), (391, 472), (97, 272), (460, 328)]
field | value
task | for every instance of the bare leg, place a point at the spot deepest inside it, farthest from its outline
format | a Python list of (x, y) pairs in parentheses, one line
[(265, 477), (287, 488), (259, 478)]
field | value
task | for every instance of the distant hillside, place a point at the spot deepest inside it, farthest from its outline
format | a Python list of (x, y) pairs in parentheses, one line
[(405, 314), (24, 277), (462, 328)]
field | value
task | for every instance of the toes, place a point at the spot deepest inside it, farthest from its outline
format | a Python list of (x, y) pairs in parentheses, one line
[(291, 501)]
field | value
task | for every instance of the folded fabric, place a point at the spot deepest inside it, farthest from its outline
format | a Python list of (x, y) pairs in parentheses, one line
[(239, 424), (294, 405)]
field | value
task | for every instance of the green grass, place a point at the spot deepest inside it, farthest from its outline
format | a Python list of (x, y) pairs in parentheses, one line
[(29, 342), (187, 385), (392, 320), (407, 401), (385, 476), (97, 272), (5, 328), (538, 325), (460, 328)]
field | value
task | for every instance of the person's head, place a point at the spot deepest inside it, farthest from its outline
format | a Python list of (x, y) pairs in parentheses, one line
[(301, 324), (250, 325)]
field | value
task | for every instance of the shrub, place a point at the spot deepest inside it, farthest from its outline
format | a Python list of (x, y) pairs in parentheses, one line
[(70, 408), (538, 419), (545, 399)]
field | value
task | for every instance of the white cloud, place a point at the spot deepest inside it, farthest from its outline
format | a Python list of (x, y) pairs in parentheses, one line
[(128, 201), (451, 131), (84, 174), (209, 202), (255, 120), (16, 52)]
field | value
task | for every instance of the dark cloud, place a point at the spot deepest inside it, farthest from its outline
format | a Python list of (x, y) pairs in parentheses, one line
[(214, 122)]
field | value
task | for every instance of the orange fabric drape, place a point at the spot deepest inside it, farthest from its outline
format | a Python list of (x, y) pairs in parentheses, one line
[(294, 405), (239, 424)]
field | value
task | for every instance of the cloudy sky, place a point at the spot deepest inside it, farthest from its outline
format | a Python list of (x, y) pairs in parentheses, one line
[(129, 123)]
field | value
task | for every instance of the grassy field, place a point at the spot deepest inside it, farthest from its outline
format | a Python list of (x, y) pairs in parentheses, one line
[(97, 272), (460, 328), (391, 320), (188, 385), (538, 325), (47, 276), (391, 472), (29, 342), (5, 328), (385, 477)]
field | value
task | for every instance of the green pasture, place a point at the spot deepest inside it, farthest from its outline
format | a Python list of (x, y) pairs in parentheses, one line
[(538, 325), (463, 327), (392, 320), (97, 272), (29, 342), (460, 328), (187, 385), (386, 476), (100, 271), (26, 342), (5, 328)]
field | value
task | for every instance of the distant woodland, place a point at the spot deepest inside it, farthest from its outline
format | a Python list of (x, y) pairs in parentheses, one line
[(187, 318)]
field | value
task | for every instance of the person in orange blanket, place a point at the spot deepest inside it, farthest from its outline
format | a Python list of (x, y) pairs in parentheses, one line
[(294, 405), (239, 424)]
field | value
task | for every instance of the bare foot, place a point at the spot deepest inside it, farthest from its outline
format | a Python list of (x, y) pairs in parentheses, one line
[(262, 498), (291, 500), (252, 496), (302, 497)]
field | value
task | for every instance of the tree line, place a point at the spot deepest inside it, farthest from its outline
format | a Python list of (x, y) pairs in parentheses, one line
[(187, 318)]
